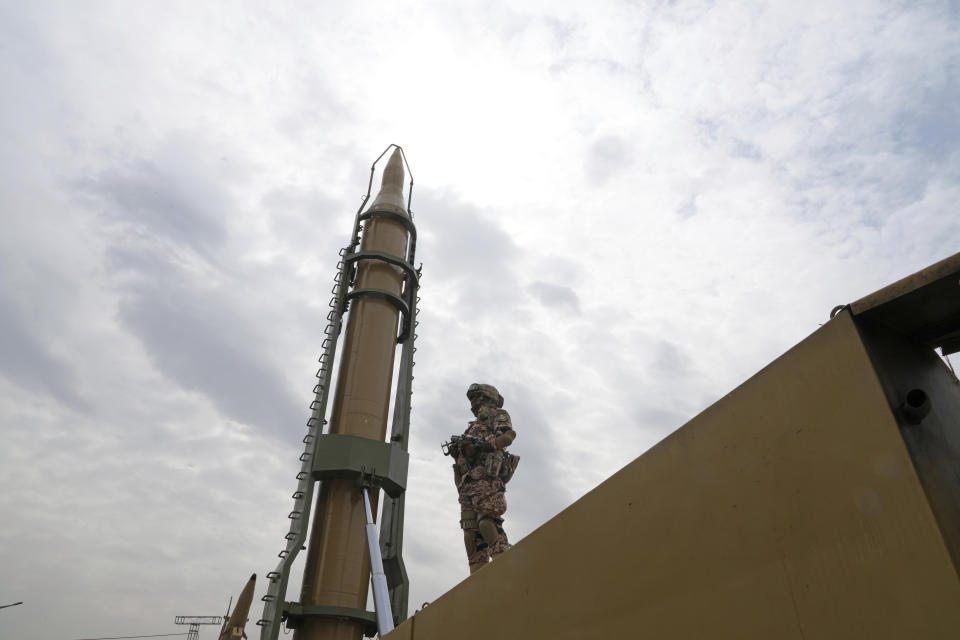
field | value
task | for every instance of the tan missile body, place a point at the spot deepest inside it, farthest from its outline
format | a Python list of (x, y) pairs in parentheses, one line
[(234, 628), (337, 568)]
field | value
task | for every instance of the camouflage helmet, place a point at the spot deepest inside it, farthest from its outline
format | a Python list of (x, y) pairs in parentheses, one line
[(488, 390)]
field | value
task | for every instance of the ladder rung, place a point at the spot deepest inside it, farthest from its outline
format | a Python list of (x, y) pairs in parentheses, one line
[(295, 515)]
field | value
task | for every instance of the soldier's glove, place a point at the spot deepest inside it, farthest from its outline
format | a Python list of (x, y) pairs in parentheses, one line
[(487, 445)]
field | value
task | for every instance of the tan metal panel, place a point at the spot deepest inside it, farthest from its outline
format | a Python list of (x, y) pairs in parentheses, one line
[(946, 267), (788, 509), (405, 631)]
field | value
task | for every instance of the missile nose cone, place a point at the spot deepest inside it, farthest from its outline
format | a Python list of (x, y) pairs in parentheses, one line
[(391, 186), (393, 173)]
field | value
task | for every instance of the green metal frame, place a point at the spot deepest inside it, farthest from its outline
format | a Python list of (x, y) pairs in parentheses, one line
[(391, 521), (406, 303), (297, 613), (346, 456)]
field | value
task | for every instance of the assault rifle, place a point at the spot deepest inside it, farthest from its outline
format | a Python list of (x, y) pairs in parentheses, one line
[(456, 443)]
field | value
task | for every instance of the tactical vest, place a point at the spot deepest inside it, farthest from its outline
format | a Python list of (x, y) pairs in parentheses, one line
[(495, 464)]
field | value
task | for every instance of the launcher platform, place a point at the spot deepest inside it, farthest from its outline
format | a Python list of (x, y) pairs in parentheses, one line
[(819, 499)]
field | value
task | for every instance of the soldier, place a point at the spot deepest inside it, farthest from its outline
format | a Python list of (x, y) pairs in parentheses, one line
[(481, 470)]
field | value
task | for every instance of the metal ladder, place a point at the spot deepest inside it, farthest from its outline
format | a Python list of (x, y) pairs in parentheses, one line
[(306, 485)]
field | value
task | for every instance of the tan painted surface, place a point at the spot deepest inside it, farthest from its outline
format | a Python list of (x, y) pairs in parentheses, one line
[(914, 281), (788, 509), (337, 568), (405, 631)]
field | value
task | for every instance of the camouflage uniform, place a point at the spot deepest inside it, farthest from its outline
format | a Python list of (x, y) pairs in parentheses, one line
[(479, 482)]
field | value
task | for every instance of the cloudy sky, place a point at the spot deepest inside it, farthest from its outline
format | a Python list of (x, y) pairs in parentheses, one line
[(625, 210)]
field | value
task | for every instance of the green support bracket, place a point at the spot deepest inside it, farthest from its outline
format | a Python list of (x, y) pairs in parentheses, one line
[(295, 614), (345, 456)]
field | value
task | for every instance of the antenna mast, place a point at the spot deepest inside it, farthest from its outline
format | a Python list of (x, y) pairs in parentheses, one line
[(193, 633)]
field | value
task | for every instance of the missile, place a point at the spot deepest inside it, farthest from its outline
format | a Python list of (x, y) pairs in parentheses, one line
[(337, 568), (233, 629), (391, 186)]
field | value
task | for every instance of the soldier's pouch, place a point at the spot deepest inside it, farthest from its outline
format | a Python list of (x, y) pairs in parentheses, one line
[(508, 466), (493, 465)]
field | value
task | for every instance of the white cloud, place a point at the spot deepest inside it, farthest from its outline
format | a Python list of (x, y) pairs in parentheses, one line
[(624, 211)]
